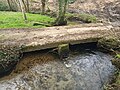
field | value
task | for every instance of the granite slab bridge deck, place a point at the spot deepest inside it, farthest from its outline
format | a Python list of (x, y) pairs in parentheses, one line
[(42, 38)]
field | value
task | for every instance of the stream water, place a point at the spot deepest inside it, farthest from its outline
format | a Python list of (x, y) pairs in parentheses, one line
[(84, 70)]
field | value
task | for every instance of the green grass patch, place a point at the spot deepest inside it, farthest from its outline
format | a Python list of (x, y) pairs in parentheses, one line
[(15, 20), (86, 18)]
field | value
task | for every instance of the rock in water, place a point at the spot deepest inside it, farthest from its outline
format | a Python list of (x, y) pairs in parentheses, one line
[(63, 51)]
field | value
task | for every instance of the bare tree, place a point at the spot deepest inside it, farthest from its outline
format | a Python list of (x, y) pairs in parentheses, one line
[(43, 2), (27, 4), (23, 9), (10, 7)]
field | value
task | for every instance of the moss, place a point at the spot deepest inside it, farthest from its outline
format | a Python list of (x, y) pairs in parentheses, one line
[(87, 18), (9, 56), (116, 84), (60, 21), (109, 43), (70, 16), (63, 50), (118, 56), (116, 62), (118, 79)]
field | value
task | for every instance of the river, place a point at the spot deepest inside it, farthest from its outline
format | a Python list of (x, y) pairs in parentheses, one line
[(86, 69)]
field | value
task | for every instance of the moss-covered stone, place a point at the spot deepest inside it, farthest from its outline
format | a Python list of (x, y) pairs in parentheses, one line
[(109, 43), (63, 51), (9, 56)]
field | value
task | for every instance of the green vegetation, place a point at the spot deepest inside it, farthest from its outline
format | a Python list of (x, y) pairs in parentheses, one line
[(63, 51), (9, 56), (3, 6), (109, 43), (118, 56), (118, 79), (61, 20), (71, 1), (116, 83), (15, 20), (87, 18)]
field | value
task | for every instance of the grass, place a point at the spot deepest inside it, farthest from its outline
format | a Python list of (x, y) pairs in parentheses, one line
[(15, 20), (86, 18)]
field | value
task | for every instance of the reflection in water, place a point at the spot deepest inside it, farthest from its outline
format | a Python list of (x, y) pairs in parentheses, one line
[(41, 71)]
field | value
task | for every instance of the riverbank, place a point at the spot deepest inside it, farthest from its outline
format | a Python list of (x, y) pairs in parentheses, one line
[(112, 45), (115, 84)]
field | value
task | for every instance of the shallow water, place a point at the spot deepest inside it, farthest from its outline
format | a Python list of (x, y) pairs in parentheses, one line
[(88, 70)]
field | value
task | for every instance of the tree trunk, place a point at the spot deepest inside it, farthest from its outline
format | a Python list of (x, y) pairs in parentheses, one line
[(65, 7), (23, 9), (43, 6), (61, 14), (9, 5), (27, 4), (18, 5)]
